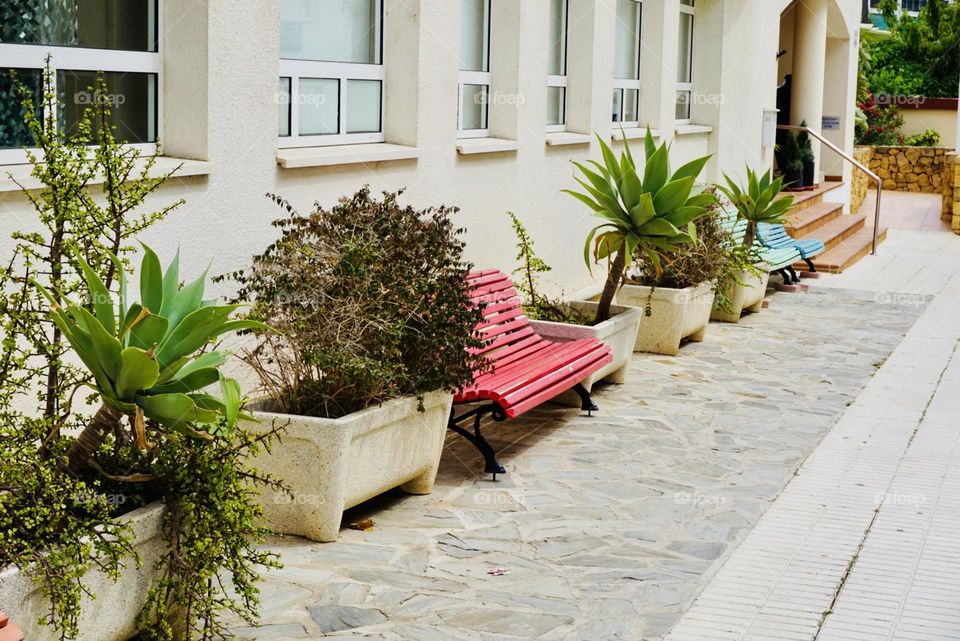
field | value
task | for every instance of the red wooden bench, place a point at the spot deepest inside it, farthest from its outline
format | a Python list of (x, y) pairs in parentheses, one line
[(9, 631), (523, 369)]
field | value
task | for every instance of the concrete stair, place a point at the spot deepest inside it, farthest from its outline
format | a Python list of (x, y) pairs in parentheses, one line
[(847, 238)]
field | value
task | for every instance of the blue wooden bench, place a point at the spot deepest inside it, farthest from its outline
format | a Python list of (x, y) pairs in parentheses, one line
[(773, 259), (776, 237)]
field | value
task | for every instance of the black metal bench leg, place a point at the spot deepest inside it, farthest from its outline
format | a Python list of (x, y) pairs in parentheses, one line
[(794, 276), (810, 264), (491, 464), (586, 403)]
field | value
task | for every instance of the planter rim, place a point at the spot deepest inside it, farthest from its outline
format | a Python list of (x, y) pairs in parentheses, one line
[(349, 419), (618, 314)]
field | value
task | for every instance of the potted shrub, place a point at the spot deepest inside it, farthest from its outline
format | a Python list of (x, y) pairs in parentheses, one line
[(758, 201), (651, 215), (807, 158), (375, 332), (120, 528), (792, 160)]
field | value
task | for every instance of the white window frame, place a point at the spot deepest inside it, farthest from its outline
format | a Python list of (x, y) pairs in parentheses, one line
[(341, 72), (560, 80), (687, 86), (622, 84), (482, 78), (29, 56)]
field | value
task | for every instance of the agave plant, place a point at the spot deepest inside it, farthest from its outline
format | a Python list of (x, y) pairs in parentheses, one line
[(146, 359), (655, 215), (757, 201)]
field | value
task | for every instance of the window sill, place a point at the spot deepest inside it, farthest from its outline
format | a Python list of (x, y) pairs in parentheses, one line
[(469, 146), (293, 158), (689, 130), (10, 175), (561, 138), (634, 133)]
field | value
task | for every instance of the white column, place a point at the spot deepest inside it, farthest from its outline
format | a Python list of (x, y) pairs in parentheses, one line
[(658, 65), (809, 60)]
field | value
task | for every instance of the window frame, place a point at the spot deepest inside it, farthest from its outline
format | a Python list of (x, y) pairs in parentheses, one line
[(687, 87), (560, 80), (33, 56), (342, 72), (481, 78), (622, 85)]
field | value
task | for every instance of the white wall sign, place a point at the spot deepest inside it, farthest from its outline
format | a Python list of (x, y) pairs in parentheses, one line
[(831, 123)]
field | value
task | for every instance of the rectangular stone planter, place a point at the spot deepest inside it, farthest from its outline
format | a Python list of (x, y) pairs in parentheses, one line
[(619, 332), (675, 314), (112, 614), (744, 297), (334, 464)]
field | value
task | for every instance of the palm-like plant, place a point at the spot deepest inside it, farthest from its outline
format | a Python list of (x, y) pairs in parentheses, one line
[(654, 215), (757, 201), (146, 359)]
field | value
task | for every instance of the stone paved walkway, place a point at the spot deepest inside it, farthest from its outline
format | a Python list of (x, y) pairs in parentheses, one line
[(608, 526)]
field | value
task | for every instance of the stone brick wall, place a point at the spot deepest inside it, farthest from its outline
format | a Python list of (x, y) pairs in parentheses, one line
[(918, 169), (860, 182), (951, 191)]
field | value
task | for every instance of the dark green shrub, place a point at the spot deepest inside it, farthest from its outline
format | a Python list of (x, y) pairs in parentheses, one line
[(371, 301)]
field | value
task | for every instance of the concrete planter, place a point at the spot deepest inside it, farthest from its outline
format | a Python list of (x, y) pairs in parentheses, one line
[(619, 332), (335, 464), (675, 314), (111, 616), (746, 297)]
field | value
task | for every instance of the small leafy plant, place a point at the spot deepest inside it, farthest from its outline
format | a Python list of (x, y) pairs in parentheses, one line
[(757, 201), (370, 298), (654, 215), (928, 138)]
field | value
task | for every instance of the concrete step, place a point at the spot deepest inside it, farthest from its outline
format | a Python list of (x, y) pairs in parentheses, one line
[(837, 230), (804, 199), (847, 253), (811, 218)]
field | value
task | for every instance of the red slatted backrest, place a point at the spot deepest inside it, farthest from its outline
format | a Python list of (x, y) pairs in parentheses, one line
[(504, 322)]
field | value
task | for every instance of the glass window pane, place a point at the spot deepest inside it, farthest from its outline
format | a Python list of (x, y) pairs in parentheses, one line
[(631, 105), (557, 61), (13, 130), (319, 103), (618, 105), (283, 104), (330, 30), (473, 101), (474, 35), (683, 105), (132, 98), (684, 55), (99, 24), (363, 106), (555, 105), (626, 62)]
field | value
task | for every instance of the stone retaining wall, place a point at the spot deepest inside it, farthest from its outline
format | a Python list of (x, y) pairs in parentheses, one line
[(860, 181), (917, 169), (951, 191)]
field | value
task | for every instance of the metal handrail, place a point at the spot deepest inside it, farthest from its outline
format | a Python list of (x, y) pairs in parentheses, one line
[(852, 161)]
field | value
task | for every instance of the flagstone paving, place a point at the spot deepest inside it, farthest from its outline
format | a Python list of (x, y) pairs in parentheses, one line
[(606, 527)]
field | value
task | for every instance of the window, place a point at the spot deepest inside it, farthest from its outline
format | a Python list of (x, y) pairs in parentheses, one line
[(119, 37), (626, 64), (331, 72), (557, 67), (474, 68), (685, 62)]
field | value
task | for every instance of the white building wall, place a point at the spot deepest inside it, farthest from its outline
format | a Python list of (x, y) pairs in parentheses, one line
[(220, 83)]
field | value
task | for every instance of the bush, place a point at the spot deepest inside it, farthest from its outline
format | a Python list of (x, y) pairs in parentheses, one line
[(882, 125), (929, 138), (371, 301)]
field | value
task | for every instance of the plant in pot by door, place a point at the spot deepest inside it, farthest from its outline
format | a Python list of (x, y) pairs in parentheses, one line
[(758, 201), (652, 214), (792, 159), (807, 158), (375, 331)]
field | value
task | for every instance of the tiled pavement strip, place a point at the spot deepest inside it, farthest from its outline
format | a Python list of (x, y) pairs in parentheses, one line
[(862, 545)]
